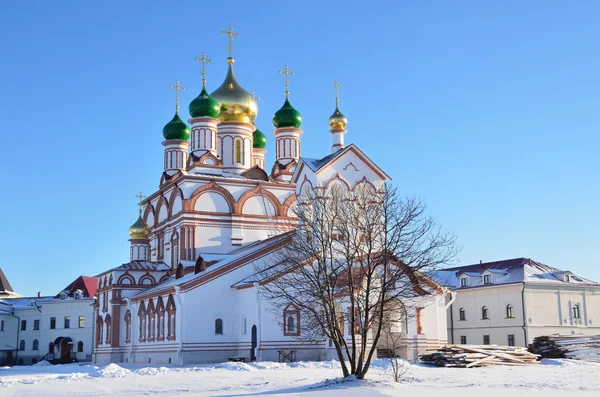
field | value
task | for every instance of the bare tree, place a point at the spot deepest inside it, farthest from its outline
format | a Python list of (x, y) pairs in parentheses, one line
[(355, 257)]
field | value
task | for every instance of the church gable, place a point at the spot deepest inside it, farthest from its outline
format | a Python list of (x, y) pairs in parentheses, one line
[(347, 167)]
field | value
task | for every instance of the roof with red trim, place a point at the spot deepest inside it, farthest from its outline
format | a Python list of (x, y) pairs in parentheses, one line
[(87, 285)]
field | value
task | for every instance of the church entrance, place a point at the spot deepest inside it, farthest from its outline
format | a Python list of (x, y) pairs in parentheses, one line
[(254, 344), (65, 347)]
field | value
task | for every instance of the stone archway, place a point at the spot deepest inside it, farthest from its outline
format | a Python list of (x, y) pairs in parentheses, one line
[(65, 347)]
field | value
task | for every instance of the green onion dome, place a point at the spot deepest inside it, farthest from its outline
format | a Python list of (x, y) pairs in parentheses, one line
[(287, 116), (176, 129), (204, 106), (259, 140)]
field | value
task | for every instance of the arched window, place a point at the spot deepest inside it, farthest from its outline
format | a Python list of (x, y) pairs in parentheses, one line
[(291, 324), (80, 346), (51, 347), (484, 313), (509, 311), (576, 311), (291, 320), (462, 315), (22, 345), (219, 326), (36, 345), (238, 151)]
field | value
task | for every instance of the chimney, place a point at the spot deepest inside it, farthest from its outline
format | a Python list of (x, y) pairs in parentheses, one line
[(39, 294)]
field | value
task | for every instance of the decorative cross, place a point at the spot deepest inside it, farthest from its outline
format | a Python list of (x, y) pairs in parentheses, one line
[(140, 196), (203, 73), (229, 32), (337, 91), (287, 82), (177, 88), (255, 97)]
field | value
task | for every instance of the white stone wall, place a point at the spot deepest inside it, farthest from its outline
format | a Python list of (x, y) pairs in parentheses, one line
[(548, 310)]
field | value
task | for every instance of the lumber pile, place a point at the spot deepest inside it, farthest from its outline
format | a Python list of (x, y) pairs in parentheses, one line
[(567, 346), (468, 356)]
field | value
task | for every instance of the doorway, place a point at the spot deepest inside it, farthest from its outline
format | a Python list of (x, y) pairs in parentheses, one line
[(65, 350), (254, 343)]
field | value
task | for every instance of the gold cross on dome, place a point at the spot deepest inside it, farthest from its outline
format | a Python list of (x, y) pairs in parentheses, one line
[(287, 82), (177, 88), (254, 96), (229, 32), (203, 73), (337, 90), (140, 196)]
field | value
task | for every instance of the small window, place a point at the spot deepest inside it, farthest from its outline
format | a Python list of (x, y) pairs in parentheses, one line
[(462, 315), (78, 294), (576, 311), (81, 321), (219, 326), (463, 340), (36, 325), (23, 325), (63, 295), (509, 311), (238, 152), (291, 324), (244, 326), (511, 340), (67, 322), (486, 339), (22, 345), (484, 313), (52, 322), (567, 278), (464, 282), (80, 347), (487, 279), (36, 345)]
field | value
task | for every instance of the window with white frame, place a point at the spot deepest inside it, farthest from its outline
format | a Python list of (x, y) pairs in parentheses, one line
[(509, 311), (576, 311), (464, 282), (484, 313), (487, 279)]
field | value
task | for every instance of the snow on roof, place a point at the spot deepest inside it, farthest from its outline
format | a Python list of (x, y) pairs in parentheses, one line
[(511, 271), (242, 255), (87, 285), (139, 265)]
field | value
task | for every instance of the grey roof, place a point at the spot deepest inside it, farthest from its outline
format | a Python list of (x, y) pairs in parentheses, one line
[(4, 284), (510, 271)]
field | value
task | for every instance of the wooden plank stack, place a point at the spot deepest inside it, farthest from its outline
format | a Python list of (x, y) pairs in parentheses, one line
[(468, 356), (567, 346)]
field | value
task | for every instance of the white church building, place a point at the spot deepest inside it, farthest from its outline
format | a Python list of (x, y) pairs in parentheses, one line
[(187, 294)]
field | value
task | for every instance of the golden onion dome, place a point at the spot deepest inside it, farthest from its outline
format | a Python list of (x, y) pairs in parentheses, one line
[(139, 229), (236, 104), (337, 121)]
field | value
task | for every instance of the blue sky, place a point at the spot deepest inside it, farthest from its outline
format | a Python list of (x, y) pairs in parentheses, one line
[(486, 110)]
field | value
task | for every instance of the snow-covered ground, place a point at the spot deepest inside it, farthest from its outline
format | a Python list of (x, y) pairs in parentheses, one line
[(551, 378)]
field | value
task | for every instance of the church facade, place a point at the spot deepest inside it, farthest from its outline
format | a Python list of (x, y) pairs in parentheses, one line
[(188, 294)]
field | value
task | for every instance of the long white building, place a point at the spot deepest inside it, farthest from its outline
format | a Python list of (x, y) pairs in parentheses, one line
[(56, 328), (510, 302)]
